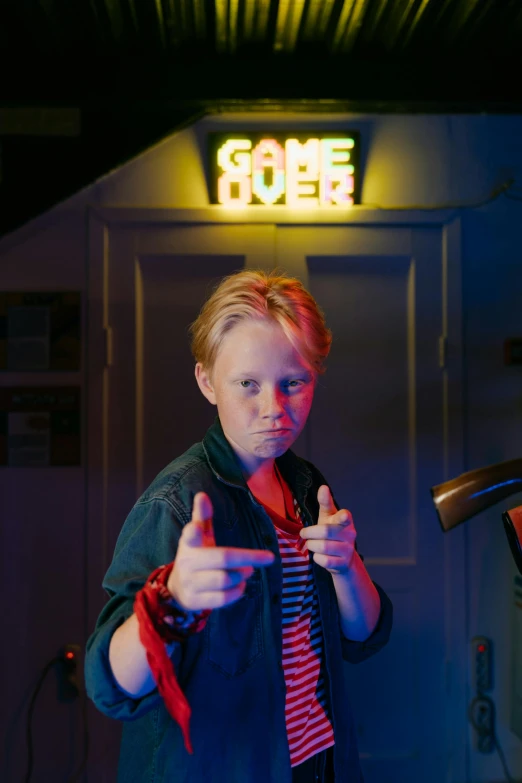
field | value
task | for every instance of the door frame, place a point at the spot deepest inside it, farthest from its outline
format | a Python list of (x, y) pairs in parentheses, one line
[(100, 220)]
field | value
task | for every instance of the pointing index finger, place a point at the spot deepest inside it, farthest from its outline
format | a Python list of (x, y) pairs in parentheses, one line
[(232, 557), (327, 529)]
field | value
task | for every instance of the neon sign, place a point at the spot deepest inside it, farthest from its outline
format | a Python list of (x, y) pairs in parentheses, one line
[(293, 169)]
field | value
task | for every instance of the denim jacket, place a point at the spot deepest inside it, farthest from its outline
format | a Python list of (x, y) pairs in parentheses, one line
[(231, 672)]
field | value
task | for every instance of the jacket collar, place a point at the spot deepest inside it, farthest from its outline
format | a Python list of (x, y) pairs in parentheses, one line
[(225, 463)]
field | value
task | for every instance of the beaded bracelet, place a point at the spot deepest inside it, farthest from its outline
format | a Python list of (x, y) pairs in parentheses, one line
[(172, 622)]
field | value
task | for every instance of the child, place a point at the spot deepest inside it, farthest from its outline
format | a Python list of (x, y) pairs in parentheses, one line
[(236, 589)]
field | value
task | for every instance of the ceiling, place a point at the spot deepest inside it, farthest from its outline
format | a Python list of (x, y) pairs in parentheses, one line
[(416, 51), (135, 70)]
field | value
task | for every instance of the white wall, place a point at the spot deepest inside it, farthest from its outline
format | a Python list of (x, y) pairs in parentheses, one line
[(493, 311), (407, 160), (42, 538)]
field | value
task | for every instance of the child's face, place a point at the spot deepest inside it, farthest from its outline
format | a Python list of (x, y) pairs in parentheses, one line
[(260, 383)]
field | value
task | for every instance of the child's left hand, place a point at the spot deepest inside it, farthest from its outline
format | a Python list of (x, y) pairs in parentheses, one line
[(333, 538)]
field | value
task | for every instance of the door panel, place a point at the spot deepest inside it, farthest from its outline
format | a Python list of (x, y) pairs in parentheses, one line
[(176, 270), (366, 390), (160, 277), (171, 290)]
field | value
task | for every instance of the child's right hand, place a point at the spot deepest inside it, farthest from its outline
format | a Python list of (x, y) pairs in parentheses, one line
[(206, 576)]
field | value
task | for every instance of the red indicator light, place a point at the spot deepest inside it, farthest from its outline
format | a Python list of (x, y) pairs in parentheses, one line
[(481, 648), (69, 655)]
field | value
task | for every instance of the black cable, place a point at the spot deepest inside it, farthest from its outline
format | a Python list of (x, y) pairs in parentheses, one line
[(503, 758), (481, 731), (29, 735), (75, 777)]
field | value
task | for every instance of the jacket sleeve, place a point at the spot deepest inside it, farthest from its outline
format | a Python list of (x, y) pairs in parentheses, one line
[(148, 539), (354, 651)]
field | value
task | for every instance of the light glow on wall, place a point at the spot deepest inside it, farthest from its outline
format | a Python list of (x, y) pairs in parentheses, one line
[(295, 169)]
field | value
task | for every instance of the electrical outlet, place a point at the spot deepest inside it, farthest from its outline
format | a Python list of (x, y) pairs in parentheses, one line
[(482, 716), (482, 663), (68, 675)]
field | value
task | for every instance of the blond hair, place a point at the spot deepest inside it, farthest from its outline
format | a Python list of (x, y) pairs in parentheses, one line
[(253, 294)]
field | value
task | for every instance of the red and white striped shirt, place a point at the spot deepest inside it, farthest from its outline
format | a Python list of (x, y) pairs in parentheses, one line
[(308, 724)]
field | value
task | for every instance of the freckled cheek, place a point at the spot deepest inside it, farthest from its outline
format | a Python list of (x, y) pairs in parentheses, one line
[(239, 407), (301, 409)]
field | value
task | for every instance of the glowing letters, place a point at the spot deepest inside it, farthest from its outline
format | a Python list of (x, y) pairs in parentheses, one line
[(235, 185), (315, 172)]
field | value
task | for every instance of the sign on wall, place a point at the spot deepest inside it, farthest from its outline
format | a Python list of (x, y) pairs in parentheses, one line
[(299, 170), (40, 331)]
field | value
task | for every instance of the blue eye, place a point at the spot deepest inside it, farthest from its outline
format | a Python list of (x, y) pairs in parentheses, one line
[(245, 387)]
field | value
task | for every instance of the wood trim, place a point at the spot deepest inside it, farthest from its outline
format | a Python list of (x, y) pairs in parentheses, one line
[(104, 732), (357, 215), (456, 584)]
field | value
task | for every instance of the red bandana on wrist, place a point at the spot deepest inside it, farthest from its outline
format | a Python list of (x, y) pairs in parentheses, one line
[(153, 611)]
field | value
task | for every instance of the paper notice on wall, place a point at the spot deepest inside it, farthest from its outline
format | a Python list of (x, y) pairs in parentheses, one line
[(29, 439)]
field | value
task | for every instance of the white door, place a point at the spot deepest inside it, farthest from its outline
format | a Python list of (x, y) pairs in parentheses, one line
[(376, 431)]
